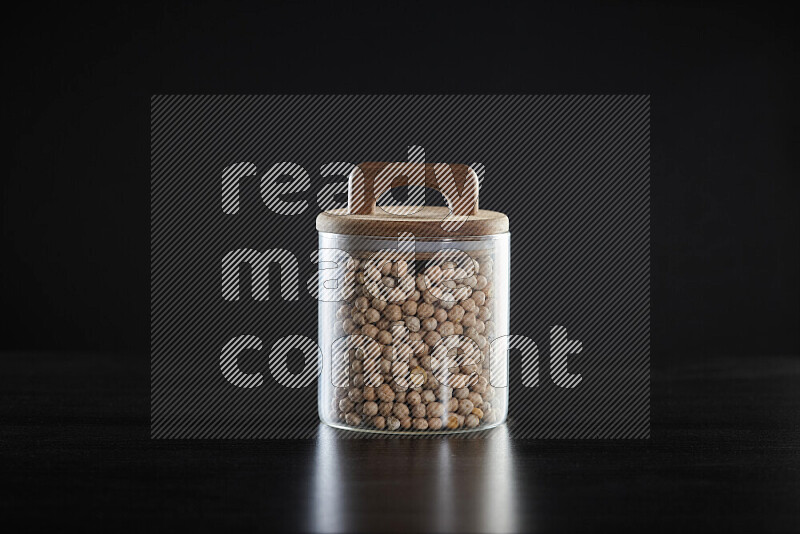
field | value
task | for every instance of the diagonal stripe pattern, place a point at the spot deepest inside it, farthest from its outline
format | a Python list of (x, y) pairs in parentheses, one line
[(237, 181)]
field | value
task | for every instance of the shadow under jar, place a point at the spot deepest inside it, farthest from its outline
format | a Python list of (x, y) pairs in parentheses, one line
[(413, 306)]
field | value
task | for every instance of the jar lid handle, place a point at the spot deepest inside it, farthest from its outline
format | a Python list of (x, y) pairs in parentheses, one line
[(458, 184)]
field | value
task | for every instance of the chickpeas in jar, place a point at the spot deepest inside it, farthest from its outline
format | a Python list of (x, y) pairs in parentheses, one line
[(421, 295)]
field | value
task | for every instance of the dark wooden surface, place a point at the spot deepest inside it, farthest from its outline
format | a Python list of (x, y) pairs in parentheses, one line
[(75, 449)]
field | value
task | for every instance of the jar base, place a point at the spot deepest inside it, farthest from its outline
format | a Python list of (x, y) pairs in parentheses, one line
[(415, 433)]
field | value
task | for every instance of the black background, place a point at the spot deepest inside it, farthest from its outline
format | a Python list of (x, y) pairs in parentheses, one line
[(724, 115), (75, 261)]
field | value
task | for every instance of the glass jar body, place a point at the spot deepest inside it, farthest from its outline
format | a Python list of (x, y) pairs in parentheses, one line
[(413, 333)]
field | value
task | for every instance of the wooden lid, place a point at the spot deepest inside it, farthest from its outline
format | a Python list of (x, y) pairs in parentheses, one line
[(457, 183)]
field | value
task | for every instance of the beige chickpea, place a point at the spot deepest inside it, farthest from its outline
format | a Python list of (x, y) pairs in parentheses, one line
[(425, 310), (460, 393), (468, 321), (384, 337), (379, 422), (481, 282), (405, 423), (409, 308), (480, 385), (383, 324), (419, 410), (484, 313), (456, 313), (385, 366), (415, 296), (446, 329), (477, 412), (427, 396), (412, 324), (392, 423), (343, 312), (385, 393), (370, 330), (361, 303), (399, 269), (489, 395), (400, 410), (435, 409), (452, 404), (360, 278), (393, 312), (486, 268), (401, 396), (469, 305), (429, 297), (421, 283), (440, 315), (458, 329), (434, 273), (389, 282), (452, 422), (434, 423), (353, 419), (475, 398), (372, 315), (358, 318), (355, 394), (369, 408), (420, 424), (385, 267), (346, 405), (479, 297), (465, 406), (369, 393), (385, 408), (432, 338), (429, 324), (471, 421), (413, 398), (480, 326), (378, 304)]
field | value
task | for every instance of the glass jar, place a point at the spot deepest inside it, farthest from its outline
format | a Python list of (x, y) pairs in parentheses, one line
[(413, 306)]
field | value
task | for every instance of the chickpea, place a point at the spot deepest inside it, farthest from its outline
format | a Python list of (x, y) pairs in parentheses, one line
[(435, 409), (440, 315), (481, 282), (401, 396), (471, 421), (429, 324), (413, 398), (393, 312), (477, 412), (425, 310), (370, 394), (353, 419), (479, 297), (465, 406), (372, 315), (400, 410), (420, 424), (434, 423), (369, 408), (409, 308), (399, 269), (361, 303), (453, 422), (385, 393), (468, 321), (475, 398), (427, 396), (379, 422), (392, 423), (461, 393), (484, 313), (370, 330), (456, 313), (419, 411), (432, 338), (446, 329), (452, 404), (384, 337), (346, 405), (359, 319), (385, 408), (469, 305), (412, 324)]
